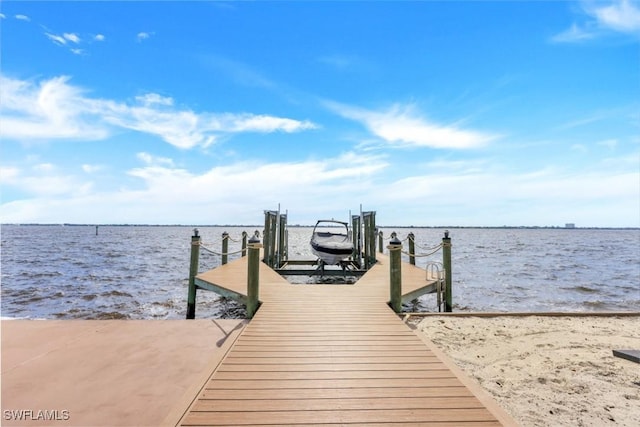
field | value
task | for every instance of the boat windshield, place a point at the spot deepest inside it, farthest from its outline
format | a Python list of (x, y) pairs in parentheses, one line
[(327, 228)]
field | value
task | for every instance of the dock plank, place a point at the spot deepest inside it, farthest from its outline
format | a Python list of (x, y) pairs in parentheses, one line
[(336, 393), (263, 375), (313, 359), (452, 402), (322, 367), (338, 416)]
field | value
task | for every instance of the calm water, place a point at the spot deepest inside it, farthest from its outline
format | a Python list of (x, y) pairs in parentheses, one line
[(142, 272)]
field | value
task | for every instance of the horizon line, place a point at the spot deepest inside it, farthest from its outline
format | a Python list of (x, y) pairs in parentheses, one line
[(560, 227)]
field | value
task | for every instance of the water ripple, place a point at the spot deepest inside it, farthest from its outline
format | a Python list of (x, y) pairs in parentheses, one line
[(141, 272)]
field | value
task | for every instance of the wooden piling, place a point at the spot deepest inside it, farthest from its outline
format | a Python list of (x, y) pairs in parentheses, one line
[(270, 238), (282, 240), (244, 243), (265, 237), (357, 239), (273, 237), (225, 247), (446, 263), (370, 231), (193, 271), (395, 273), (253, 276), (380, 239), (367, 247), (412, 249)]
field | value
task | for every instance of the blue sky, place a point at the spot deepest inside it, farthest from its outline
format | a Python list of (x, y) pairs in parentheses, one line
[(431, 113)]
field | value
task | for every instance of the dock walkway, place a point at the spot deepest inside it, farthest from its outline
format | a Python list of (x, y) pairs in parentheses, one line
[(334, 355)]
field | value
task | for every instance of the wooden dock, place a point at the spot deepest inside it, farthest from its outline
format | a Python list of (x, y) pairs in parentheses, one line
[(334, 355)]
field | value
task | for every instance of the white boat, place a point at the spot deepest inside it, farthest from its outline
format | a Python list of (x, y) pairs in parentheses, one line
[(331, 242)]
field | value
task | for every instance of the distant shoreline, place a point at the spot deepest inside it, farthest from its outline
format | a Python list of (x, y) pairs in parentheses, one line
[(455, 227)]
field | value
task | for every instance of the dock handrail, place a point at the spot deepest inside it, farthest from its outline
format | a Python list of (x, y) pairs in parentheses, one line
[(225, 246), (435, 269), (441, 271)]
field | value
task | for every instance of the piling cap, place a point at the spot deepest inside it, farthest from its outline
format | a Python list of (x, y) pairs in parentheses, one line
[(394, 240), (446, 234), (195, 232), (254, 239)]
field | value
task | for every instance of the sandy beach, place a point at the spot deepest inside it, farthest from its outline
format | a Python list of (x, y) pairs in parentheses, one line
[(547, 371)]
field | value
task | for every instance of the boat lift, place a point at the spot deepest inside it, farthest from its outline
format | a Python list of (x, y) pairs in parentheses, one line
[(276, 248)]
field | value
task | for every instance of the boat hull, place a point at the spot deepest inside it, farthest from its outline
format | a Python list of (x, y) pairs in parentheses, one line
[(331, 253)]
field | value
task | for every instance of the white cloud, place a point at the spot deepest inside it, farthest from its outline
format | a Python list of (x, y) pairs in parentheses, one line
[(142, 36), (621, 16), (50, 109), (403, 126), (62, 40), (20, 17), (87, 168), (528, 198), (9, 173), (70, 40), (573, 34), (44, 167), (179, 128), (44, 180), (54, 109), (149, 99), (154, 160), (233, 193), (187, 129), (2, 16), (260, 123), (72, 37), (237, 193), (56, 38)]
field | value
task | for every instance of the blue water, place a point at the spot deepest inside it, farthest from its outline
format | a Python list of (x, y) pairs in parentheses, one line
[(69, 272)]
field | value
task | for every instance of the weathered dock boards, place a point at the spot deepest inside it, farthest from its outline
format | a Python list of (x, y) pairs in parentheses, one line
[(333, 355)]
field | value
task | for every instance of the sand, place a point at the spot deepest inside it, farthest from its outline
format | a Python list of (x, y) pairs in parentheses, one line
[(548, 371)]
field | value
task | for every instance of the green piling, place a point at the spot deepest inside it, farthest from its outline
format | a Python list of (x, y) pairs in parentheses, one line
[(372, 237), (446, 262), (253, 275), (265, 236), (193, 271), (395, 273), (273, 237), (282, 241), (225, 248), (355, 231), (412, 249), (380, 239), (244, 243)]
